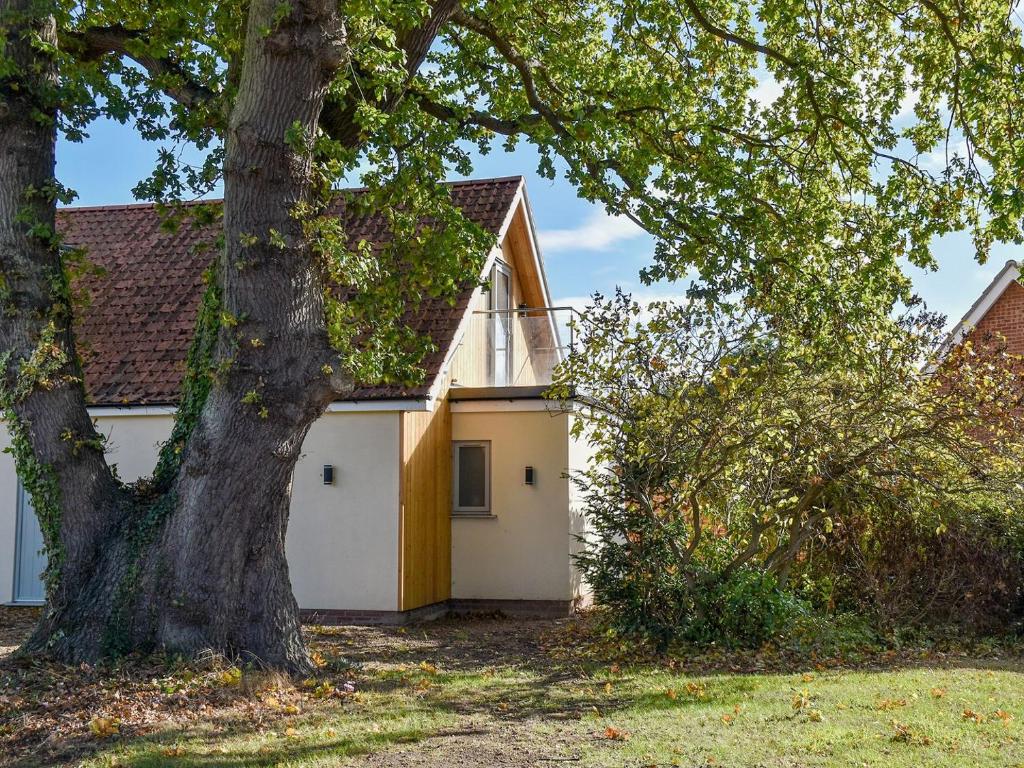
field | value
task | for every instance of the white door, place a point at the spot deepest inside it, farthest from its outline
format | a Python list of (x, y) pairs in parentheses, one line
[(29, 560), (501, 324)]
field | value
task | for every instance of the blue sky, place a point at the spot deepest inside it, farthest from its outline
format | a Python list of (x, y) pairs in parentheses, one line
[(585, 250)]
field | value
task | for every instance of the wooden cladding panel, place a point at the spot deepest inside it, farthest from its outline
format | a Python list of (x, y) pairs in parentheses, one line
[(425, 555), (518, 240), (470, 362)]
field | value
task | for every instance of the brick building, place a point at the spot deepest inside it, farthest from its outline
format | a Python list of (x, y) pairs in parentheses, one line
[(998, 312)]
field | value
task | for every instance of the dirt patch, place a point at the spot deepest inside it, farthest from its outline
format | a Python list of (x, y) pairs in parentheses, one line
[(499, 745), (456, 643), (15, 626)]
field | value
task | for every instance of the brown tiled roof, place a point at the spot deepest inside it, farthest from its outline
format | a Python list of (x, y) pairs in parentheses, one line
[(135, 331)]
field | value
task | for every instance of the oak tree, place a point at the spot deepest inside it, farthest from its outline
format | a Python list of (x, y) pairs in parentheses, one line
[(807, 203)]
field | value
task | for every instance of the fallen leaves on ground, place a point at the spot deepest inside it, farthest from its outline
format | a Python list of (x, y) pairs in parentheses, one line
[(614, 734), (589, 639), (104, 726), (903, 733), (887, 704), (56, 711)]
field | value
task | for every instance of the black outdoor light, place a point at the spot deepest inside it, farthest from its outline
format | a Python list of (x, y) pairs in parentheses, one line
[(530, 476), (328, 474)]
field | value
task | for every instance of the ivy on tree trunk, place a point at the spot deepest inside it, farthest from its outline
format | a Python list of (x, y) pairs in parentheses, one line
[(194, 559)]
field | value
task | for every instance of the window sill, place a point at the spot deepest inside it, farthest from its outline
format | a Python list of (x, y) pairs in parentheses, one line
[(473, 516)]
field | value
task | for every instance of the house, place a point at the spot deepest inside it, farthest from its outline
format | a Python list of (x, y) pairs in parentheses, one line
[(997, 313), (406, 502)]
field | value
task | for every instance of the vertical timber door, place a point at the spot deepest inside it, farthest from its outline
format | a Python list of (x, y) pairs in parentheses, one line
[(29, 560), (425, 528)]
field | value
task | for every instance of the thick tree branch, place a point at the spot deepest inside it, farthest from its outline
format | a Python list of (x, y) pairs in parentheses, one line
[(337, 119), (485, 29), (96, 42), (506, 127), (589, 165), (745, 43)]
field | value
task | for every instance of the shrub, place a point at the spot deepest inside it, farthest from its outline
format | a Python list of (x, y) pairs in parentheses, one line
[(748, 610), (960, 569), (736, 466)]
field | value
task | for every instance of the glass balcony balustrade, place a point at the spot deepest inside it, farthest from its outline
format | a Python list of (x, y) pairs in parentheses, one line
[(518, 347)]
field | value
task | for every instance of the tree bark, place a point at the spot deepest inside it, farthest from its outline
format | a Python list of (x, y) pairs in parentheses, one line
[(59, 455), (198, 564), (192, 559), (223, 559)]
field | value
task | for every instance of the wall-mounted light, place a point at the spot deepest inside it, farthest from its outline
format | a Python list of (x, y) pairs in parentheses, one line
[(530, 476), (328, 474)]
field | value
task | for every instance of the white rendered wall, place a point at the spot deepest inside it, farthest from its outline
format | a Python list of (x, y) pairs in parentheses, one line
[(522, 552), (8, 518), (342, 539), (580, 457), (133, 443)]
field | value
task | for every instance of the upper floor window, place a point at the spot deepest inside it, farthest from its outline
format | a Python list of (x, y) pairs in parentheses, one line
[(500, 304)]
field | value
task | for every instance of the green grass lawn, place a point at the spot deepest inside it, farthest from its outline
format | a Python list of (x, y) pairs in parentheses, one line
[(497, 693)]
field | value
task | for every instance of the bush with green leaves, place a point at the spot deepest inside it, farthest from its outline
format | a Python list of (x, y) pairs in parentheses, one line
[(732, 457), (961, 568)]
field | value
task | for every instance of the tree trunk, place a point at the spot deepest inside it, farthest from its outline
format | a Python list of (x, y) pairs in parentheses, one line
[(194, 557), (221, 566), (197, 562), (58, 453)]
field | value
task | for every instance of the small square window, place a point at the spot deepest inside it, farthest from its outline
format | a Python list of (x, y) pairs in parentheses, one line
[(471, 477)]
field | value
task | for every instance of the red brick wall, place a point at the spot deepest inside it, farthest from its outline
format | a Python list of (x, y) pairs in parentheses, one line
[(1006, 318)]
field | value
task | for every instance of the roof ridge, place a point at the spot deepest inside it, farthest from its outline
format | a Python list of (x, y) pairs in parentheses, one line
[(979, 308), (135, 206)]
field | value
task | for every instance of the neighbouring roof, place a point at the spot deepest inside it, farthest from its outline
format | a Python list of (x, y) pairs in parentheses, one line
[(1007, 275), (134, 333)]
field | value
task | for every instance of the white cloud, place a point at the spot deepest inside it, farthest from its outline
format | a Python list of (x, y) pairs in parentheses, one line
[(767, 91), (908, 103), (937, 160), (643, 296), (579, 303), (598, 232)]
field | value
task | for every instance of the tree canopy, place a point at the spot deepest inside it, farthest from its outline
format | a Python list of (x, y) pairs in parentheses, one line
[(814, 198), (802, 208)]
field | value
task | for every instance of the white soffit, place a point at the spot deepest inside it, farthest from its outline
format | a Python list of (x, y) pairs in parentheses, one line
[(355, 406), (554, 407)]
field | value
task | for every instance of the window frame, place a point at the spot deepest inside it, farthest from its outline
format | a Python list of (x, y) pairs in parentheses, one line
[(460, 511), (501, 326)]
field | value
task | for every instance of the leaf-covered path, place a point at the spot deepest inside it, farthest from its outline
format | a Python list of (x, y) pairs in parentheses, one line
[(491, 692)]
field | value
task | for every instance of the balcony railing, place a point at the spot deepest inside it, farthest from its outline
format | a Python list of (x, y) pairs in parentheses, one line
[(513, 347)]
